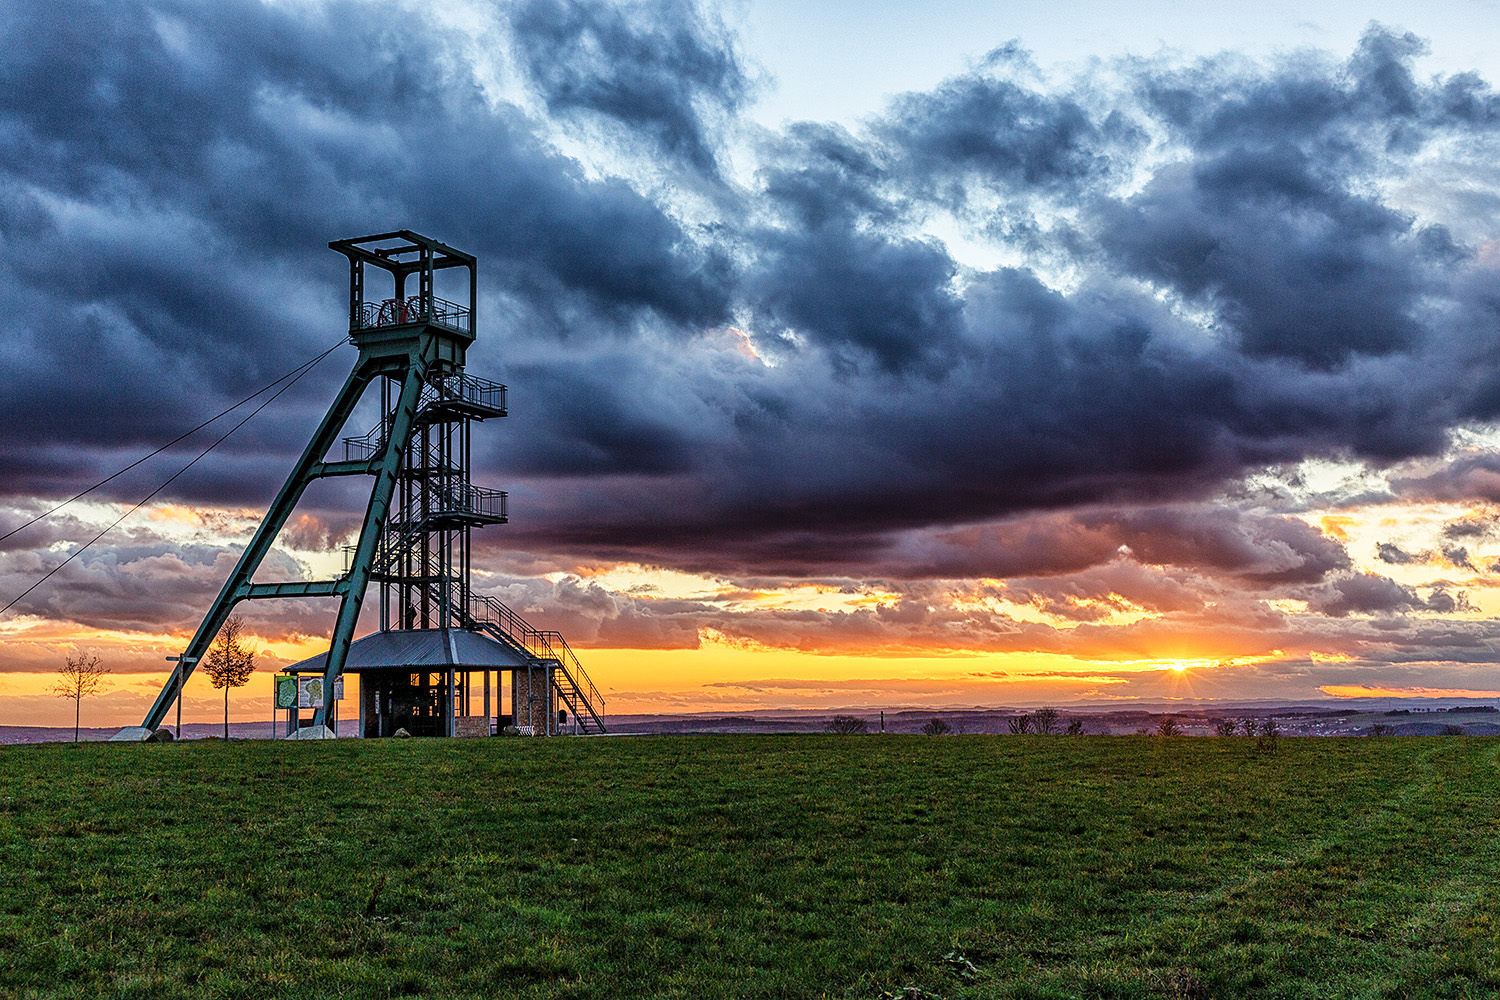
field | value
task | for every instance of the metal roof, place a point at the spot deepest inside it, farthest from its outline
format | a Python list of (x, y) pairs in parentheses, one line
[(434, 648)]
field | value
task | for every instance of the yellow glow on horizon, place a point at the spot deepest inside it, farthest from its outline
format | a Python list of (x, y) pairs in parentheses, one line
[(1381, 691), (740, 677)]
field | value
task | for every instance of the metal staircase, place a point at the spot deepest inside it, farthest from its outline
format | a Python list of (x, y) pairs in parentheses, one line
[(547, 649), (439, 499)]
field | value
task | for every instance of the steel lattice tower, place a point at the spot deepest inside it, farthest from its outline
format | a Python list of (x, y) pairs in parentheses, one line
[(415, 537)]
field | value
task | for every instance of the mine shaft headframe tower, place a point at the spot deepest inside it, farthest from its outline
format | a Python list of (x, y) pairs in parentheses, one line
[(410, 254), (412, 343)]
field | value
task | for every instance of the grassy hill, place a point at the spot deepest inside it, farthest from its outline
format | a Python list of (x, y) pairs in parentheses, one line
[(755, 866)]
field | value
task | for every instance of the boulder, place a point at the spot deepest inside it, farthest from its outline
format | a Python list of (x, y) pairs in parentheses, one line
[(311, 733)]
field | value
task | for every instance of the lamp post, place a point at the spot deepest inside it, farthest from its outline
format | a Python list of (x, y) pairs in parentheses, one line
[(183, 662)]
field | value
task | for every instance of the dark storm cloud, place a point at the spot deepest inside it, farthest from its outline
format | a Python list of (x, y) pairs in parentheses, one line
[(1469, 477), (990, 128), (1389, 552), (658, 70), (1209, 276), (1371, 593), (1477, 526), (170, 174), (1458, 556), (1266, 223)]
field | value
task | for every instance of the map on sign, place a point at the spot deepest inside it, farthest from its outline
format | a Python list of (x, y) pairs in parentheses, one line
[(310, 691), (286, 692)]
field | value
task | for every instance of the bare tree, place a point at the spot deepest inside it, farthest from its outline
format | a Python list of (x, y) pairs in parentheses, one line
[(1226, 727), (1167, 726), (1381, 729), (79, 677), (1270, 733), (229, 662), (1249, 725), (1044, 720), (846, 724), (1075, 728), (1019, 724), (936, 727)]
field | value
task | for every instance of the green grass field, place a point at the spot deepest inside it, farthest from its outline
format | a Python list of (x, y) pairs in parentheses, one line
[(755, 866)]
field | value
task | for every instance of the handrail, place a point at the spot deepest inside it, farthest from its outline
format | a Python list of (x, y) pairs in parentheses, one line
[(466, 388), (483, 610), (364, 447), (466, 498), (572, 666), (443, 388), (542, 645), (402, 312)]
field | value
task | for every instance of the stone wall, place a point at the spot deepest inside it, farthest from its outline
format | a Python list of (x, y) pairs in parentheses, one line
[(532, 705), (469, 727)]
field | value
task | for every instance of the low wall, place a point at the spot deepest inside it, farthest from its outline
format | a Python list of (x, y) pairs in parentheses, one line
[(470, 727)]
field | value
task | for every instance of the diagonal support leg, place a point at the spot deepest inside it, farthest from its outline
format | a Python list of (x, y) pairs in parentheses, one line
[(370, 532), (264, 537)]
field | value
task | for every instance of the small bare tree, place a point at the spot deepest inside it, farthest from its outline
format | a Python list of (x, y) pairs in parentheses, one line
[(1270, 733), (936, 727), (229, 662), (79, 677), (1044, 721), (1226, 727), (1019, 724), (1249, 725), (1075, 728), (846, 724), (1167, 726)]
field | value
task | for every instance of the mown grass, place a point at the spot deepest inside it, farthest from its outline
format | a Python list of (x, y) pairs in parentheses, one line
[(752, 866)]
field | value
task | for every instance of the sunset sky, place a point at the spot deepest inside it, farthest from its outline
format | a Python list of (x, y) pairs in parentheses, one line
[(860, 355)]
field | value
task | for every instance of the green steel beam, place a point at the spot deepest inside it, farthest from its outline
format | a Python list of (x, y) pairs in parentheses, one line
[(365, 468), (265, 536), (314, 588), (358, 577)]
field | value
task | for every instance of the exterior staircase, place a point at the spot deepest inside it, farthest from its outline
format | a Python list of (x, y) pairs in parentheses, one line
[(453, 502)]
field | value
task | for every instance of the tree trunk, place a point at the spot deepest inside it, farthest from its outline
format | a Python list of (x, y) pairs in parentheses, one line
[(77, 711), (226, 713)]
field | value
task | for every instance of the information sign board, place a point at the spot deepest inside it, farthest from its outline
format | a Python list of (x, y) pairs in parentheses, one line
[(310, 691), (286, 691)]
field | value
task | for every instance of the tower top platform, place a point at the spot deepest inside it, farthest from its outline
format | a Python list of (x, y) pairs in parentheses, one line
[(398, 258), (385, 324)]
